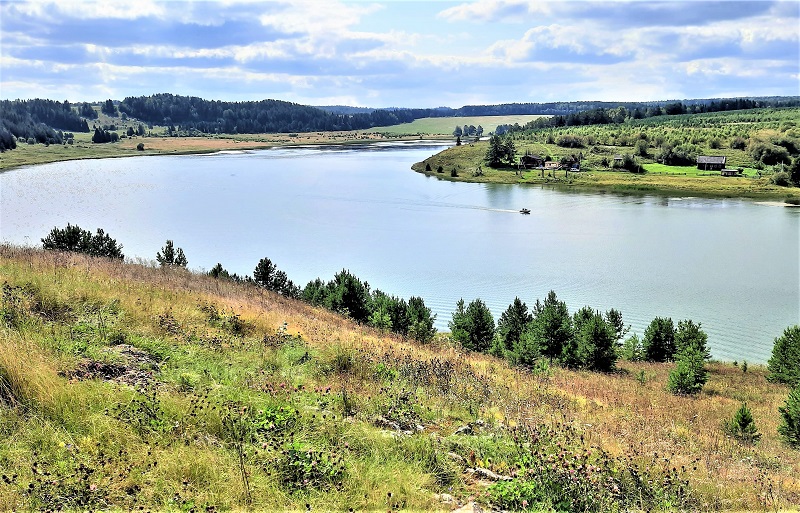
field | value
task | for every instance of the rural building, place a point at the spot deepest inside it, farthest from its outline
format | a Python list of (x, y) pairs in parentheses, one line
[(618, 160), (530, 161), (730, 172), (709, 163)]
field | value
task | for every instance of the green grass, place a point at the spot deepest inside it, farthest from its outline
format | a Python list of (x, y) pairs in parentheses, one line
[(299, 400), (710, 134), (445, 126)]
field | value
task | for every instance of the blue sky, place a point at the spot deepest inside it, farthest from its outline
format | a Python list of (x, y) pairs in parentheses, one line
[(406, 54)]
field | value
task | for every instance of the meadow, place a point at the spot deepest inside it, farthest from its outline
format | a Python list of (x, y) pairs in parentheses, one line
[(738, 135), (127, 386), (446, 126)]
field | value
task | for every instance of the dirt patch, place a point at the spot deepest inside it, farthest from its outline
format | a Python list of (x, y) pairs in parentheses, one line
[(129, 365)]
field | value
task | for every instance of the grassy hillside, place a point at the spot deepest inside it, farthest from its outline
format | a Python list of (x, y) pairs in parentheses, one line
[(128, 386), (445, 126), (735, 135)]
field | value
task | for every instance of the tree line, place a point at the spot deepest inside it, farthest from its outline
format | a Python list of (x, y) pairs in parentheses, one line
[(621, 113), (38, 120), (546, 333)]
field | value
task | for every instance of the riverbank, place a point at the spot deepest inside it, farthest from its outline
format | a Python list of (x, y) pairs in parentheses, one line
[(83, 148), (465, 164)]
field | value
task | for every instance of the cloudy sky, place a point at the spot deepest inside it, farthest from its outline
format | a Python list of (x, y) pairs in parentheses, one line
[(399, 53)]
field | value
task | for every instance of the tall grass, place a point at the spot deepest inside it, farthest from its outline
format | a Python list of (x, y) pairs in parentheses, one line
[(258, 401)]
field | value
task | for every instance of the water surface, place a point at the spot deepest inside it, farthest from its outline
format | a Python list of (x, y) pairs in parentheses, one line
[(733, 265)]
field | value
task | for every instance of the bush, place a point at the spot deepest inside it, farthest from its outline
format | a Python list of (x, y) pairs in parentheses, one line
[(570, 141), (689, 374), (769, 154), (784, 364), (140, 146), (742, 426), (781, 179), (789, 428), (74, 239)]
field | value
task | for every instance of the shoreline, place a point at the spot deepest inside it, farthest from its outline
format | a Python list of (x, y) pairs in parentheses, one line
[(584, 181), (25, 155), (628, 183)]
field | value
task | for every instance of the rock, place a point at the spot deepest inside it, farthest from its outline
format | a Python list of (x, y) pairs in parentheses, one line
[(470, 507), (464, 430), (457, 458), (445, 498), (385, 423), (483, 473)]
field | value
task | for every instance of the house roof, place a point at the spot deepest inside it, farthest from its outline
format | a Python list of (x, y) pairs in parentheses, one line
[(705, 159)]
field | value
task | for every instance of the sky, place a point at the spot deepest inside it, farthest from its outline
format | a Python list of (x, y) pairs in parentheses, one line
[(399, 53)]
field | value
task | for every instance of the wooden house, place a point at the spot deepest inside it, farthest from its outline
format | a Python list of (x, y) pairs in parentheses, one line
[(711, 163), (530, 161)]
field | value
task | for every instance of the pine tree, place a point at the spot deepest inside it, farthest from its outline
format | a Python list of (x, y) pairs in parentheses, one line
[(790, 423), (742, 426), (784, 364), (659, 340), (169, 256), (689, 374)]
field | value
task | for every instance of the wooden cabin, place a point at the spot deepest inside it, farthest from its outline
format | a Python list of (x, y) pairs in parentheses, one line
[(711, 163), (530, 161)]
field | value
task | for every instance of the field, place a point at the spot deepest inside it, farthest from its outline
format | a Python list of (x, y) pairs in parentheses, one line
[(160, 144), (445, 126), (597, 145), (127, 386)]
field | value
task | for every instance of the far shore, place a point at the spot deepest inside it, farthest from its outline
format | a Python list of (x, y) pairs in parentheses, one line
[(84, 149)]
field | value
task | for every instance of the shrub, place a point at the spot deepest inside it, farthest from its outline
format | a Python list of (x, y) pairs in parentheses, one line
[(570, 141), (769, 154), (74, 239), (689, 374), (742, 426), (781, 179), (139, 146), (789, 428), (784, 364), (632, 349)]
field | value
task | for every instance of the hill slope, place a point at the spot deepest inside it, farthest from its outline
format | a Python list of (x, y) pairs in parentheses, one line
[(123, 385)]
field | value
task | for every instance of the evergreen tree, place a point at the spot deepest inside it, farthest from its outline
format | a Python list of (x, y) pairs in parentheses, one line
[(688, 334), (594, 345), (73, 238), (789, 429), (494, 153), (659, 340), (348, 296), (742, 426), (169, 256), (784, 364), (689, 374), (473, 326), (109, 108), (551, 327), (513, 322), (420, 320)]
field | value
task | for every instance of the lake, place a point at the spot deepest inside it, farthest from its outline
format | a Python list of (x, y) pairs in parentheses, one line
[(732, 265)]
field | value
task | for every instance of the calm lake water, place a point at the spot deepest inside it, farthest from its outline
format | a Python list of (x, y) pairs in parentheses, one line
[(732, 265)]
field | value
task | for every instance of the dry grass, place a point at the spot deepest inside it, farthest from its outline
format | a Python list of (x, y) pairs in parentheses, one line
[(628, 414)]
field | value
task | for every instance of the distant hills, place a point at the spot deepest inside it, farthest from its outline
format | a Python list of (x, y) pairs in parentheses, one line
[(43, 120)]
